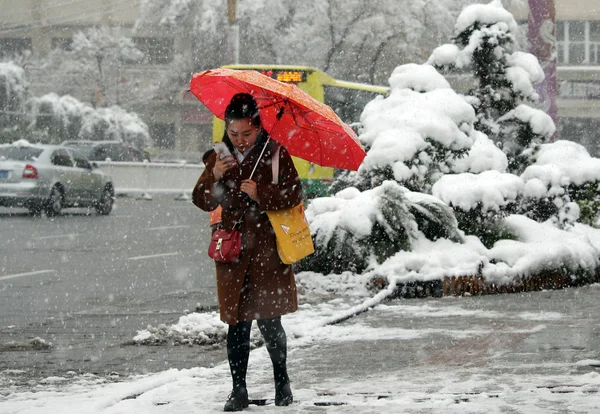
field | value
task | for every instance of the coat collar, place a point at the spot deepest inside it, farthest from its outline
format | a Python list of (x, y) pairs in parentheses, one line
[(253, 153)]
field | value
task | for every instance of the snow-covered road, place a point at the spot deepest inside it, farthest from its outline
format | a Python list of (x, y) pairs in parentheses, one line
[(519, 353)]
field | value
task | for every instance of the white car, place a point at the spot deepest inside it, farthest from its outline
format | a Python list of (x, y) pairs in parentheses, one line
[(51, 177)]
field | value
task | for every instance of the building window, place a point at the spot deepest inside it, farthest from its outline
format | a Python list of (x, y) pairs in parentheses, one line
[(163, 135), (578, 42), (157, 50), (11, 47), (63, 43)]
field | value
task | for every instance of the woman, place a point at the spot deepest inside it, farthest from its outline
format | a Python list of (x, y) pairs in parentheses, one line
[(257, 285)]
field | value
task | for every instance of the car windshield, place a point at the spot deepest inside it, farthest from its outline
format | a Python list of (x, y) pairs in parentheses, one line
[(85, 149), (20, 153)]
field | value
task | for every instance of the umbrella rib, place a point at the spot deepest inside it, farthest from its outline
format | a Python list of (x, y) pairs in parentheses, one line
[(293, 113)]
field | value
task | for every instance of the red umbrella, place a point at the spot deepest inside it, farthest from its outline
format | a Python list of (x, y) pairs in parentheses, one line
[(308, 128)]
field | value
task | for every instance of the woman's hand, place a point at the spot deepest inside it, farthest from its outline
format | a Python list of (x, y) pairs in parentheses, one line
[(249, 187), (222, 165)]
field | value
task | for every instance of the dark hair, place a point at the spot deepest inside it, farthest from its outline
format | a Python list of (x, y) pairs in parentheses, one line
[(242, 106)]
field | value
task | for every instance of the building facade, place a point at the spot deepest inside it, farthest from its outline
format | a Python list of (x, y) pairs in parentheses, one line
[(179, 124), (578, 54)]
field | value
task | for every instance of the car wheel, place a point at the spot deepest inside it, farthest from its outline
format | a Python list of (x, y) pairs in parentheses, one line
[(54, 204), (105, 204)]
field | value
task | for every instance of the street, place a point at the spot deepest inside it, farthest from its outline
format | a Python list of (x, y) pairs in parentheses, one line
[(85, 284)]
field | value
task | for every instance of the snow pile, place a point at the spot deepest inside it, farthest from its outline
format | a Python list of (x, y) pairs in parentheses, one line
[(483, 155), (539, 122), (191, 329), (433, 260), (491, 13), (490, 190), (540, 247), (570, 159), (419, 78), (349, 211)]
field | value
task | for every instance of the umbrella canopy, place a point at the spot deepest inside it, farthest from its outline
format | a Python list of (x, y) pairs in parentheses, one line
[(308, 128)]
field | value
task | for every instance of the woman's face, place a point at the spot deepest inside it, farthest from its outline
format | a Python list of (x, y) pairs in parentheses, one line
[(242, 134)]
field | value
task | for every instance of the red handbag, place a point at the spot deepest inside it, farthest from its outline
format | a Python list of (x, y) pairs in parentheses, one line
[(225, 246)]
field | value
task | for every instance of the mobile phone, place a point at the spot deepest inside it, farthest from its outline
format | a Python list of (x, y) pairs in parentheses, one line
[(222, 150)]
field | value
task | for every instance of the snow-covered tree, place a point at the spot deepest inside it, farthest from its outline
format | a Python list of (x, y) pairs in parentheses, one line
[(93, 63), (57, 118), (14, 90), (415, 135), (504, 99), (503, 96), (353, 40)]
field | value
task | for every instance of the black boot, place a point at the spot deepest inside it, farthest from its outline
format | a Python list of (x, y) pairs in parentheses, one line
[(238, 353), (276, 343), (238, 400), (283, 395)]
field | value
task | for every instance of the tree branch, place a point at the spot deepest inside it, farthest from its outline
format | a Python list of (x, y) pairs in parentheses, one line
[(378, 52), (336, 45)]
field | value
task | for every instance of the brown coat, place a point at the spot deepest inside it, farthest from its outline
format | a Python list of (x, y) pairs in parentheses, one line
[(258, 285)]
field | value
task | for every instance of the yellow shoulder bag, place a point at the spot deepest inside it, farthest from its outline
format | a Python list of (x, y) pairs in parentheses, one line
[(291, 227)]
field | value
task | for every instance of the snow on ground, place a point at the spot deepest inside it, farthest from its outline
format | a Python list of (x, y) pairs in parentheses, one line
[(380, 362)]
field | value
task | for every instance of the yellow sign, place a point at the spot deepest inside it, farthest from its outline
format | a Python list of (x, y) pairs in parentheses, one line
[(288, 76)]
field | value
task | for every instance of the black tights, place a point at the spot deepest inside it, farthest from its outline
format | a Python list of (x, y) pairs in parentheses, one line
[(238, 350)]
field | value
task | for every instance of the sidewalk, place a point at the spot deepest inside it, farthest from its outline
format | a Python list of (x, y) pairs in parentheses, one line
[(504, 353)]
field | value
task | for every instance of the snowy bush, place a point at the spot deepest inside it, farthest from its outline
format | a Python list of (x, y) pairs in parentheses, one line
[(563, 173), (355, 229), (485, 44), (115, 123), (419, 134), (481, 201), (57, 118)]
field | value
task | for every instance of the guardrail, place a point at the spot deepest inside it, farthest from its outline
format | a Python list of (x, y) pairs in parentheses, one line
[(143, 179)]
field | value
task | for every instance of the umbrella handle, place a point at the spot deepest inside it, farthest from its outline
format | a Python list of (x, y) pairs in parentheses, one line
[(259, 157), (280, 112)]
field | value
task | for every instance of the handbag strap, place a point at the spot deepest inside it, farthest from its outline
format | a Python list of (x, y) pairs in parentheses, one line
[(275, 166)]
